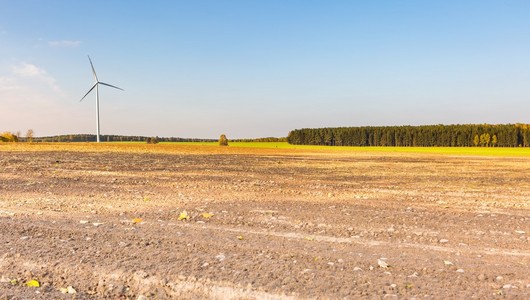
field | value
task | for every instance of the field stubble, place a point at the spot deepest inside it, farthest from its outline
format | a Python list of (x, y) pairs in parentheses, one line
[(108, 221)]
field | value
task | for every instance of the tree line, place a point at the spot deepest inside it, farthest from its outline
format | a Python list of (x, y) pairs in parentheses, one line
[(264, 140), (115, 138), (470, 135), (17, 137)]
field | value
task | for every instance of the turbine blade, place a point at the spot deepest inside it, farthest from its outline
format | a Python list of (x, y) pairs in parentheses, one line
[(103, 83), (89, 91), (93, 70)]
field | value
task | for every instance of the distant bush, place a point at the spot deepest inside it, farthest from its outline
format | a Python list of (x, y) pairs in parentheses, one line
[(223, 141), (152, 140), (8, 137)]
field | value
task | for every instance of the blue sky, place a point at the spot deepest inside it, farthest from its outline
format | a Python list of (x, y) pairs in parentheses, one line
[(261, 68)]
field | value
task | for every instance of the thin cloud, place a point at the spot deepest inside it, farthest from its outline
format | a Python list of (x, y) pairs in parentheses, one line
[(64, 44), (28, 70), (26, 91), (31, 71), (8, 84)]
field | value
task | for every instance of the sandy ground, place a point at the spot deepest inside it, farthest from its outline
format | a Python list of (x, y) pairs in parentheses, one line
[(262, 224)]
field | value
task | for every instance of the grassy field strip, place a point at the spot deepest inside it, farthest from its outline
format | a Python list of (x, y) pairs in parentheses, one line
[(359, 241), (257, 147), (438, 150)]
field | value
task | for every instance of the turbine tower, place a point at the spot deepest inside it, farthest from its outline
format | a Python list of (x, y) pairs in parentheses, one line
[(96, 85)]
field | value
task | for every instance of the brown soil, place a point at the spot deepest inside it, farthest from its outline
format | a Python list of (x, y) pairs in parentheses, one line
[(286, 224)]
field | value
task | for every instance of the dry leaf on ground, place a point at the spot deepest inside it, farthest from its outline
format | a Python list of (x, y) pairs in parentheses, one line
[(33, 283), (184, 216), (207, 215)]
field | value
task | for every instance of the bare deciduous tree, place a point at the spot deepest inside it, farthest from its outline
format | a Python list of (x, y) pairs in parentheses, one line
[(29, 135)]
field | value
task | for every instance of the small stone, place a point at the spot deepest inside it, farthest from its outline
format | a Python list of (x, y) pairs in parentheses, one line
[(141, 274), (340, 260), (460, 271), (507, 286), (390, 296), (481, 277), (220, 257), (204, 265), (141, 297), (499, 278), (382, 264), (520, 232), (393, 285), (357, 269), (443, 241), (71, 290), (287, 280)]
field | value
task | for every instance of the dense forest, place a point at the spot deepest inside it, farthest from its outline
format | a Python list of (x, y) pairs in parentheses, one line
[(471, 135)]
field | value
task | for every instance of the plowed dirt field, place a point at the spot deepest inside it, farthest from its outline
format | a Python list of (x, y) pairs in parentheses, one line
[(187, 222)]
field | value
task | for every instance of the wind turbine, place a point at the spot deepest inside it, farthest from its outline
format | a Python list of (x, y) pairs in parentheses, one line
[(96, 85)]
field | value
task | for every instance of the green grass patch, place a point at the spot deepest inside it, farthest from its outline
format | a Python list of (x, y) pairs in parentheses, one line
[(474, 151)]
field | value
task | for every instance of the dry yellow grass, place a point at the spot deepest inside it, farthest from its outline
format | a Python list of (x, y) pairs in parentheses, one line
[(260, 148)]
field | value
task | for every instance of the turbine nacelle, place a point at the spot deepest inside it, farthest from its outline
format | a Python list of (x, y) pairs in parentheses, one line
[(97, 81)]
